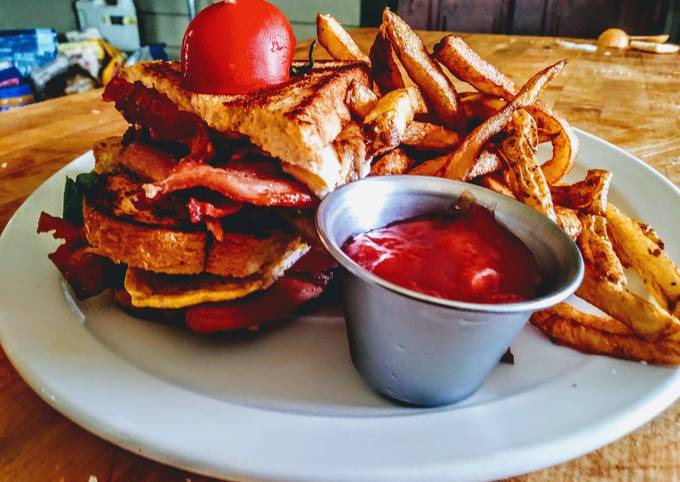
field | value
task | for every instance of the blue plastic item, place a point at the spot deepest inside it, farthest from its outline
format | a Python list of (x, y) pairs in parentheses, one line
[(15, 96), (158, 51), (28, 48), (15, 91), (9, 75)]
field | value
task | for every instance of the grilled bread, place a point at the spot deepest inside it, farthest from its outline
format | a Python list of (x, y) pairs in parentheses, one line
[(181, 250), (295, 122)]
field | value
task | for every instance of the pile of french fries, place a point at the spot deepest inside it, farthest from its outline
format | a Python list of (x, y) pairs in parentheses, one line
[(415, 122)]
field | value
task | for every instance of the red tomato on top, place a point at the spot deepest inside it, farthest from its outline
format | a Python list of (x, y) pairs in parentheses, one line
[(237, 46)]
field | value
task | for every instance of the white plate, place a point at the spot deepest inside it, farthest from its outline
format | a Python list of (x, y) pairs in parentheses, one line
[(288, 405)]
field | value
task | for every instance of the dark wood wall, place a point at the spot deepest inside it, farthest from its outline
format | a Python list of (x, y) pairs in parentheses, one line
[(569, 18)]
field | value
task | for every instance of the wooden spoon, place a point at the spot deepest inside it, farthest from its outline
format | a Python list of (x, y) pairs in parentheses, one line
[(619, 39)]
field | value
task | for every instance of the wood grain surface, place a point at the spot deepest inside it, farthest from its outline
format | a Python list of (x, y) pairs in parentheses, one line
[(628, 98)]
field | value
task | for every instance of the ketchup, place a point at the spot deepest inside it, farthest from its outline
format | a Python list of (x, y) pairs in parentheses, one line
[(465, 256)]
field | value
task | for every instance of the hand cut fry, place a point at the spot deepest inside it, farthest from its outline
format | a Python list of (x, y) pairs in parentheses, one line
[(468, 66), (479, 107), (393, 163), (431, 167), (418, 100), (564, 142), (386, 124), (423, 70), (589, 195), (651, 234), (604, 285), (429, 137), (487, 162), (495, 182), (568, 220), (526, 178), (360, 99), (602, 335), (598, 252), (660, 275), (384, 68), (645, 318), (462, 161), (335, 39)]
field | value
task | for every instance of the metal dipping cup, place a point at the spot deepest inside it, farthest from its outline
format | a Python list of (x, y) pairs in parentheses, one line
[(419, 349)]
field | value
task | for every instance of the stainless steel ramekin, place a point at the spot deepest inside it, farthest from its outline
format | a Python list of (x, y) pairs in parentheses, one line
[(416, 348)]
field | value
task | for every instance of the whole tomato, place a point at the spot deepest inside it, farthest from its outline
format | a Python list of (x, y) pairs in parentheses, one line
[(237, 46)]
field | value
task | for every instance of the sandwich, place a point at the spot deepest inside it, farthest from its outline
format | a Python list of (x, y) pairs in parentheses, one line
[(202, 211)]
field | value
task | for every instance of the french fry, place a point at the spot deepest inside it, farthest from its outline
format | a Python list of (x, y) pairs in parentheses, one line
[(360, 99), (496, 183), (386, 123), (430, 167), (335, 39), (598, 252), (564, 142), (436, 87), (425, 136), (589, 195), (660, 275), (487, 162), (384, 68), (645, 318), (468, 66), (393, 163), (479, 106), (651, 234), (602, 335), (604, 285), (526, 178), (568, 220), (418, 100), (462, 161)]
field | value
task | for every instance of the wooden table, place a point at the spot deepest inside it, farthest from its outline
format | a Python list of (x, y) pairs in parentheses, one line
[(627, 97)]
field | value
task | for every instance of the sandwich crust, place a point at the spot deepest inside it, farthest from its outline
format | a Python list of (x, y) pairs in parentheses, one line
[(113, 233), (295, 122), (148, 247)]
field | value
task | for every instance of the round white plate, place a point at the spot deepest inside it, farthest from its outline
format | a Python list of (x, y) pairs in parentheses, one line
[(288, 405)]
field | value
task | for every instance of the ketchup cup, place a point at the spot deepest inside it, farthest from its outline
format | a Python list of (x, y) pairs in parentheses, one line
[(420, 349)]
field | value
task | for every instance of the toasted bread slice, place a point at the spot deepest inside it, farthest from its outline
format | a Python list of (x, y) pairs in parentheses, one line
[(128, 239), (295, 122), (149, 247)]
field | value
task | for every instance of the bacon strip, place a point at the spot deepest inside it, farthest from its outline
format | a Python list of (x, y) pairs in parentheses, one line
[(147, 162), (62, 228), (149, 108), (215, 209), (85, 272), (260, 183), (215, 227)]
